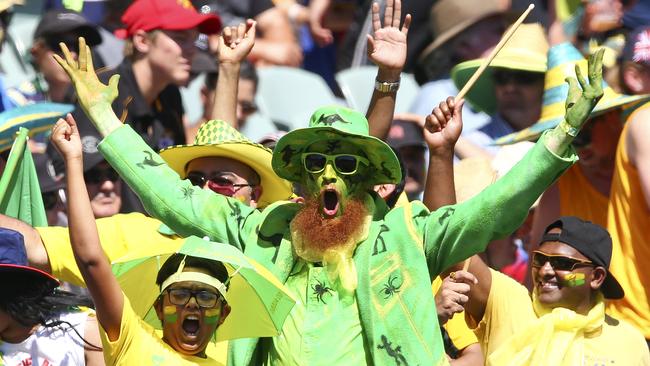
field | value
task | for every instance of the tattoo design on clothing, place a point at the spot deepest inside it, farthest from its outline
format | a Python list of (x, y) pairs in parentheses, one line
[(376, 249), (390, 288), (329, 120), (395, 353), (148, 161), (319, 290)]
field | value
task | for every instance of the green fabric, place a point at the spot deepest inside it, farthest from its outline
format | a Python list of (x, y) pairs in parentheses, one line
[(405, 249), (300, 342), (20, 194)]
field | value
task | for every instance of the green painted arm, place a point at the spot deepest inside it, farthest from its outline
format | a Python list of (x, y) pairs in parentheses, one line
[(454, 233)]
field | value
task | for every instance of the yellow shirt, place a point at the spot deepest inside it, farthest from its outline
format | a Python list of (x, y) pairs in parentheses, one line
[(629, 225), (509, 309), (456, 327), (139, 344), (579, 198)]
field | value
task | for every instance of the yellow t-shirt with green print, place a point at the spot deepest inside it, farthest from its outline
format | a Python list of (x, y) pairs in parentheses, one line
[(140, 344)]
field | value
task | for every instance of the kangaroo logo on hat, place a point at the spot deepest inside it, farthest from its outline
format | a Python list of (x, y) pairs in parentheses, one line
[(331, 119)]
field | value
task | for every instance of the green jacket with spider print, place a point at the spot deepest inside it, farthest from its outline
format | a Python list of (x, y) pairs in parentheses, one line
[(407, 243)]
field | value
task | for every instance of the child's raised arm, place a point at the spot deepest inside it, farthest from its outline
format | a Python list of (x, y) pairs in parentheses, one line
[(88, 253)]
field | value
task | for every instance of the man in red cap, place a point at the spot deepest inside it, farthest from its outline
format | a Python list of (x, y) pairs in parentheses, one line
[(159, 47)]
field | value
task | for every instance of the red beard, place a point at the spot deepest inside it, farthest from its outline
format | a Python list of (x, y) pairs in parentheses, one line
[(320, 234)]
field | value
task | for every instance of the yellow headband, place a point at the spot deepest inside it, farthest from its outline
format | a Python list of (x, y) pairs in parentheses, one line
[(180, 276)]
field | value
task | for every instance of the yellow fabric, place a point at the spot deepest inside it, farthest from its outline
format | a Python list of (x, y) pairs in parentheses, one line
[(139, 344), (118, 234), (509, 311), (460, 334), (628, 223), (579, 198)]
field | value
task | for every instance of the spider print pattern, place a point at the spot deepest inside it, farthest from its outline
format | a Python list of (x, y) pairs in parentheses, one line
[(187, 192), (320, 289), (390, 288)]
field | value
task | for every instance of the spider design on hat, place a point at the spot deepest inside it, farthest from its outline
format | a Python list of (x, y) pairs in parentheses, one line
[(395, 353), (390, 288), (148, 160), (331, 119), (319, 290), (333, 145)]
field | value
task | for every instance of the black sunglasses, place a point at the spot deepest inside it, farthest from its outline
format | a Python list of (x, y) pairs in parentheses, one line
[(559, 262), (205, 299), (98, 175), (503, 77)]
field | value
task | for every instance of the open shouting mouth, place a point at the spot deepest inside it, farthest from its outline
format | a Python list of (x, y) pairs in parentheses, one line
[(191, 325), (330, 202)]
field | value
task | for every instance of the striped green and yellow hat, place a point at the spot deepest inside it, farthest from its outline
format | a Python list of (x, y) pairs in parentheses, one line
[(217, 138), (562, 59)]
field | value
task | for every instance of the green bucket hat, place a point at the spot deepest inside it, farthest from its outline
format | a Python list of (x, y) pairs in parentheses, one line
[(217, 138), (336, 123)]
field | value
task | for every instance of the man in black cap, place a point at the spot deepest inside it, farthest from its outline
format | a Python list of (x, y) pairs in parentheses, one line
[(407, 138), (57, 26), (564, 322)]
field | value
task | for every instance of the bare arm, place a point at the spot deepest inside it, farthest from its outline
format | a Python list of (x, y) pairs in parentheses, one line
[(638, 150), (317, 11), (93, 356), (387, 49), (470, 355), (278, 45), (91, 260), (234, 45), (36, 253)]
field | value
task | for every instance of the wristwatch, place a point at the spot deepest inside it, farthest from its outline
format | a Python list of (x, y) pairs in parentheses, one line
[(386, 87)]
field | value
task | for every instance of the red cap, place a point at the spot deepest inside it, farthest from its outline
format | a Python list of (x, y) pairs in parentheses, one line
[(148, 15)]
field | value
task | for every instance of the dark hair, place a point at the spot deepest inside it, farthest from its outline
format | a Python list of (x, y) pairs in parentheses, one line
[(216, 269), (30, 303), (391, 200), (247, 71)]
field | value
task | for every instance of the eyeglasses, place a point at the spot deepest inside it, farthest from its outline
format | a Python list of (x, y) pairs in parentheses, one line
[(559, 262), (217, 184), (503, 77), (98, 175), (205, 299), (345, 164), (247, 107)]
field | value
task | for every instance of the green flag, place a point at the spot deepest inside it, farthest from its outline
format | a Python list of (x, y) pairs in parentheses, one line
[(20, 195)]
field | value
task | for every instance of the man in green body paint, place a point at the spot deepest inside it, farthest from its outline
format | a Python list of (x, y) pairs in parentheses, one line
[(360, 271)]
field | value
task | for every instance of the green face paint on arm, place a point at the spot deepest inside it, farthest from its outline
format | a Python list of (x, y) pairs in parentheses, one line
[(170, 314), (574, 279), (212, 316)]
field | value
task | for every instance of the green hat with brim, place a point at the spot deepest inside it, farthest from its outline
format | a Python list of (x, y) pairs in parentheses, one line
[(525, 51), (562, 59), (335, 123), (216, 138)]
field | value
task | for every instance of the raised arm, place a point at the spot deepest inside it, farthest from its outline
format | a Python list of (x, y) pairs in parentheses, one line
[(387, 49), (186, 209), (235, 44), (452, 234), (93, 264)]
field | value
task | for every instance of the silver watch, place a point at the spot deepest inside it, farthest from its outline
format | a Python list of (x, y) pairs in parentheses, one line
[(386, 87)]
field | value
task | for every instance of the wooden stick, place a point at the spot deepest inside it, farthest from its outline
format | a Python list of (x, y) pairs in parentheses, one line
[(494, 52)]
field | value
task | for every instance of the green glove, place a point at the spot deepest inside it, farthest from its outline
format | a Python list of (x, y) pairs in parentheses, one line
[(580, 103)]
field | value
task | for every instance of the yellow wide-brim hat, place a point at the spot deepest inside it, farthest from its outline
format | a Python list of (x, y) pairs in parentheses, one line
[(562, 59), (217, 138), (525, 51)]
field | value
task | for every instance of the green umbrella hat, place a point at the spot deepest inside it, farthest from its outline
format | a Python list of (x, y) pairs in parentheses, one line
[(336, 123), (217, 138), (259, 302), (562, 59)]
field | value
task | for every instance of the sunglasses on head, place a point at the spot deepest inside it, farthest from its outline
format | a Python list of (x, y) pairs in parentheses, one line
[(217, 184), (503, 77), (345, 164), (205, 299), (99, 175), (559, 262)]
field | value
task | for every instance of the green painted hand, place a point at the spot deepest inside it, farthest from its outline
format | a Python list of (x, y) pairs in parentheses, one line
[(94, 97), (580, 103)]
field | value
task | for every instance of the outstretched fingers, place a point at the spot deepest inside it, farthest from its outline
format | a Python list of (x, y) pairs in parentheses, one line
[(580, 78), (407, 24), (574, 92), (68, 56), (388, 14), (595, 65), (376, 23)]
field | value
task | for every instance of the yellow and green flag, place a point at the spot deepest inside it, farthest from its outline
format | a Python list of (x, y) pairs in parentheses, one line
[(20, 194)]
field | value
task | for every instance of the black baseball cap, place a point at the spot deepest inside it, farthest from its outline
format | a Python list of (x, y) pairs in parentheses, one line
[(90, 139), (404, 133), (593, 241), (56, 23)]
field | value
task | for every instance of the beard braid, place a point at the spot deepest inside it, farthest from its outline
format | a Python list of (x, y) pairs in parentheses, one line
[(320, 235)]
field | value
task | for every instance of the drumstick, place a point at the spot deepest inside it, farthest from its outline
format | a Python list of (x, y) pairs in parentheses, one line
[(494, 52)]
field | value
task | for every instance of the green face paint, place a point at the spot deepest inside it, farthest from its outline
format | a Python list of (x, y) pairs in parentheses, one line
[(170, 314), (212, 316), (574, 279)]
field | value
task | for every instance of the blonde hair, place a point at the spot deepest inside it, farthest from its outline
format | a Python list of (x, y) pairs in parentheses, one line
[(130, 52)]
